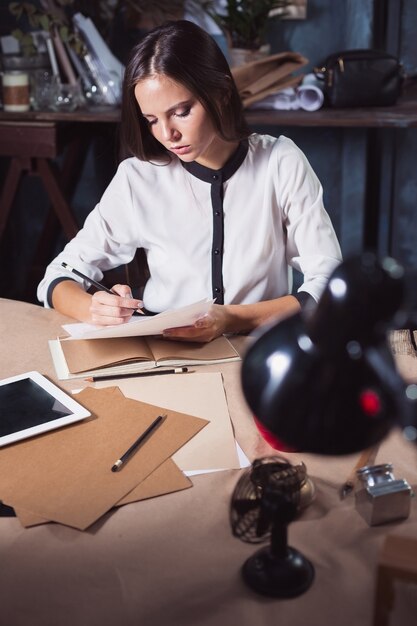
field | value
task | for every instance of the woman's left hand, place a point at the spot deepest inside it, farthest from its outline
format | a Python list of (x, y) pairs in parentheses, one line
[(206, 328), (235, 318)]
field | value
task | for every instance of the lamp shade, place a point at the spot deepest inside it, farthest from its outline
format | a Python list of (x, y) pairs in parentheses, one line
[(328, 384)]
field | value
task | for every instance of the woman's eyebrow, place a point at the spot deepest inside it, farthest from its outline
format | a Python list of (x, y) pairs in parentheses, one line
[(171, 109)]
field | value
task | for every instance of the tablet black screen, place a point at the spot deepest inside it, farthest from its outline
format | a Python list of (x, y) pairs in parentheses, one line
[(24, 404)]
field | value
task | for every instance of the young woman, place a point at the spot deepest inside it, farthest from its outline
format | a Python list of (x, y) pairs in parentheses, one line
[(220, 212)]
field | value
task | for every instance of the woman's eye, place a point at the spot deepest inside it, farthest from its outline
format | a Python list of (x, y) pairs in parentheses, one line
[(184, 113)]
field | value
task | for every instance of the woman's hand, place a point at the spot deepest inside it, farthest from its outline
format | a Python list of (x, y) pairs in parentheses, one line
[(110, 309), (235, 318), (211, 325)]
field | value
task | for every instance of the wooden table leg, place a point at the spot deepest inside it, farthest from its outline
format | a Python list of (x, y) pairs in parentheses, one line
[(397, 561), (9, 191), (59, 203), (69, 175), (384, 597)]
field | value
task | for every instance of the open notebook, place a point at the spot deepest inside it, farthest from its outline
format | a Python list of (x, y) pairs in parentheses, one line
[(79, 358)]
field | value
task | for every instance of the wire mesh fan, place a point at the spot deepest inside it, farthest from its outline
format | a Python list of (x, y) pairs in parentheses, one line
[(250, 519), (265, 500)]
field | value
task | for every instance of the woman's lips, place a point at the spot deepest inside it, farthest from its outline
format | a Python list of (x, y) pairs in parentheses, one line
[(181, 149)]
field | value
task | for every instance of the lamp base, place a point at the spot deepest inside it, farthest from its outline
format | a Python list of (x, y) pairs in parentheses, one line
[(286, 577)]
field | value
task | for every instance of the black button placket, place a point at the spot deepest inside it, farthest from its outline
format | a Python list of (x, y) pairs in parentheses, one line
[(218, 237), (216, 178)]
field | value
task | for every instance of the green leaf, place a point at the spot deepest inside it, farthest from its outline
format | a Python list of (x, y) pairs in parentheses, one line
[(64, 33), (44, 22), (245, 21), (16, 9), (17, 33), (27, 40)]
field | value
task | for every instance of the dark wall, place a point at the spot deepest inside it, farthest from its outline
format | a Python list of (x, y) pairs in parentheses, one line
[(369, 177), (329, 26), (403, 215)]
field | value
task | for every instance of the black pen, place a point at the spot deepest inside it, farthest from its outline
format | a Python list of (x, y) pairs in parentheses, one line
[(154, 372), (366, 458), (119, 463), (93, 282)]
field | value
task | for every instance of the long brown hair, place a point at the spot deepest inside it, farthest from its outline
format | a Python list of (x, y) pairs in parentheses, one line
[(187, 54)]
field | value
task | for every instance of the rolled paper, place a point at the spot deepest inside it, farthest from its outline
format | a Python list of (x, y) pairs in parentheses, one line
[(52, 56), (63, 59)]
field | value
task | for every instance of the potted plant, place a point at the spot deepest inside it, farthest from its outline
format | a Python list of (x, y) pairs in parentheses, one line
[(52, 18), (244, 23), (49, 26)]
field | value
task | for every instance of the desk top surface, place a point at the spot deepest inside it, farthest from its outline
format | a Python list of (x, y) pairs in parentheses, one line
[(402, 115), (172, 560)]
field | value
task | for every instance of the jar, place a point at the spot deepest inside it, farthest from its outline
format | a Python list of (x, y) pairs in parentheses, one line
[(16, 96)]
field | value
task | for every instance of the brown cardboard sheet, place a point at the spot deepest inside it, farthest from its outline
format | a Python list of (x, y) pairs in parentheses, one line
[(197, 393), (167, 478), (260, 78), (66, 476)]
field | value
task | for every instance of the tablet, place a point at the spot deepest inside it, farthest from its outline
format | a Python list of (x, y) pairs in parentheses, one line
[(30, 404)]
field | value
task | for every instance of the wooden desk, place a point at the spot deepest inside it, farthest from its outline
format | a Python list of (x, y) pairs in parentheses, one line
[(33, 141), (172, 560)]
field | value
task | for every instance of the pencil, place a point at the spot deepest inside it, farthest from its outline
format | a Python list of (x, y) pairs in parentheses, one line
[(93, 282), (119, 463), (156, 372), (366, 457)]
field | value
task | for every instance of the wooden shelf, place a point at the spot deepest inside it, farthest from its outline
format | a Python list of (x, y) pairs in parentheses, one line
[(92, 115), (402, 115)]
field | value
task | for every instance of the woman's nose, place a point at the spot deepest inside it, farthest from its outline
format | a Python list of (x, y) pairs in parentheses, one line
[(170, 133)]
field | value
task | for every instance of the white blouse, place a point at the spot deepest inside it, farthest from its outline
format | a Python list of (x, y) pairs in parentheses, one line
[(229, 233)]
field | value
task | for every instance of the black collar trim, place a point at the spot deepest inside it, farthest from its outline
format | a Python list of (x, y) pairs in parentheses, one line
[(231, 166)]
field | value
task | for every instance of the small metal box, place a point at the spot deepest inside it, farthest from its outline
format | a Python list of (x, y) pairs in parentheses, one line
[(382, 498)]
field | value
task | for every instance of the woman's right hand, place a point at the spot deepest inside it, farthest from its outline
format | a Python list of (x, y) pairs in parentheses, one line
[(110, 309)]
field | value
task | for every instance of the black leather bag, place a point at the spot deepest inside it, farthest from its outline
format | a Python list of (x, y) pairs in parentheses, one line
[(361, 78)]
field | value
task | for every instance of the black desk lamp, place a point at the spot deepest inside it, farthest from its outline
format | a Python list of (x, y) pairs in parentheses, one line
[(328, 383)]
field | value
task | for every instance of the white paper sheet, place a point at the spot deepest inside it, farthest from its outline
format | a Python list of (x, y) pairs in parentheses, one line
[(141, 326)]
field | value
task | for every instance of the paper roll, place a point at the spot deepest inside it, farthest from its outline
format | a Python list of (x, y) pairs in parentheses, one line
[(310, 97)]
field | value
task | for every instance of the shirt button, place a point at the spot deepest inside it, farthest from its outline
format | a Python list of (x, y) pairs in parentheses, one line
[(217, 213), (216, 251), (217, 290), (215, 176)]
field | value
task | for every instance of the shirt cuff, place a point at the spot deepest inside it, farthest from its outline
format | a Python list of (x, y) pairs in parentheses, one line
[(52, 286), (306, 300)]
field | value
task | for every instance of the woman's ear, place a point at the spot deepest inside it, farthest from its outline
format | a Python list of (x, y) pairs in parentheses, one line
[(225, 96)]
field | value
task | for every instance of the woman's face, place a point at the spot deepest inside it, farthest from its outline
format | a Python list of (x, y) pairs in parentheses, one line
[(179, 121)]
